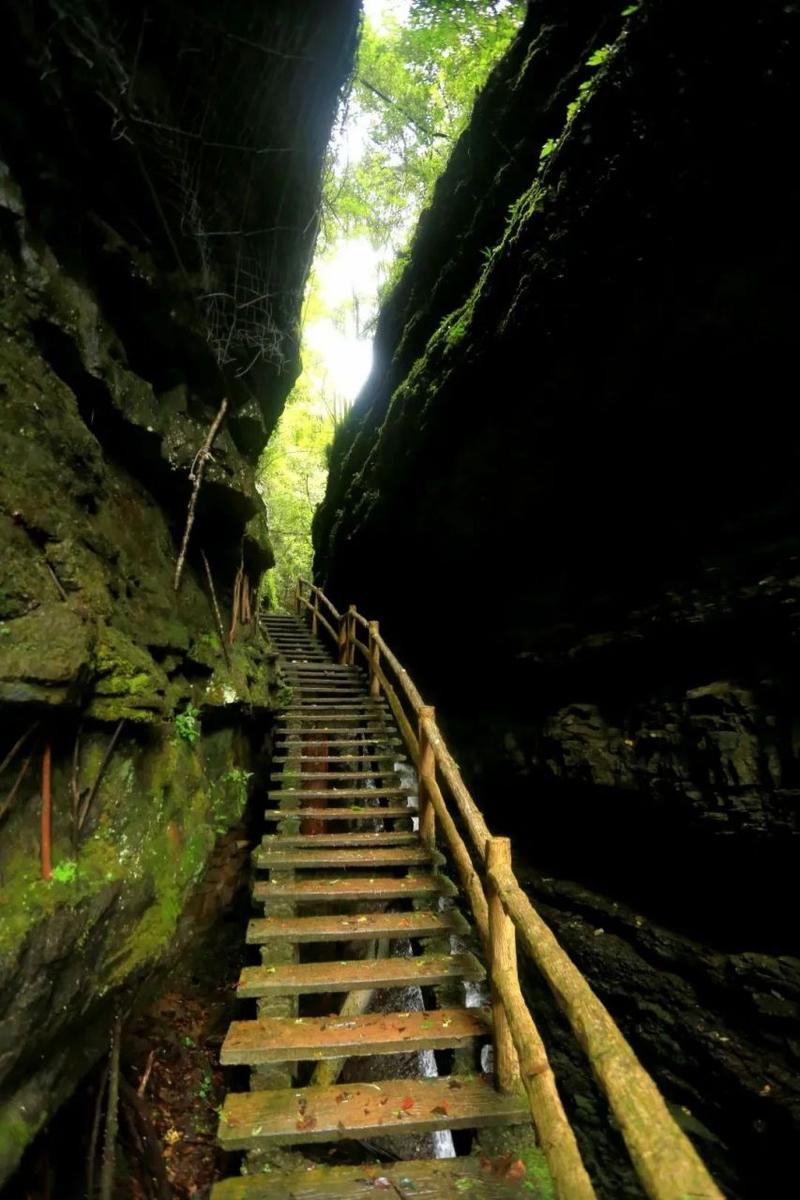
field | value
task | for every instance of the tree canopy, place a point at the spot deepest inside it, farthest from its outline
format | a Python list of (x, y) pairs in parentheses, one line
[(412, 94)]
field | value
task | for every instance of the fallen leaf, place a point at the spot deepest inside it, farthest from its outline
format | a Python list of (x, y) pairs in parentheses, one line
[(306, 1123), (441, 1110), (382, 1182), (172, 1136), (406, 1103)]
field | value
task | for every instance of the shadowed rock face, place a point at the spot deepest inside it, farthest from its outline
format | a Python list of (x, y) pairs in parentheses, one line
[(575, 455), (159, 185)]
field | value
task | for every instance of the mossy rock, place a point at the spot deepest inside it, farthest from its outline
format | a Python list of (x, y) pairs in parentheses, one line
[(129, 682), (45, 656)]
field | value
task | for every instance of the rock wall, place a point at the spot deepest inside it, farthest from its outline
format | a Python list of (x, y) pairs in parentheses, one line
[(159, 189), (569, 492)]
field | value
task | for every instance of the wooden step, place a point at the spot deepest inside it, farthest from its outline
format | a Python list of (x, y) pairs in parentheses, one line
[(414, 1179), (388, 856), (338, 776), (339, 814), (343, 793), (322, 730), (313, 1039), (355, 927), (301, 979), (330, 702), (325, 670), (355, 714), (349, 887), (344, 839), (335, 708), (325, 688), (298, 1116), (333, 759), (290, 738)]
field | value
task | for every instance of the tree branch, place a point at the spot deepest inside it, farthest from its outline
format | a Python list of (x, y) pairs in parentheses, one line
[(418, 125)]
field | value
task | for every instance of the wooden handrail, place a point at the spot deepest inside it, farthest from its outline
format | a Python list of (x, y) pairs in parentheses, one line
[(301, 583), (664, 1158), (665, 1161), (317, 616)]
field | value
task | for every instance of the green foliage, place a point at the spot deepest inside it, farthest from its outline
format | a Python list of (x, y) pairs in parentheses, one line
[(65, 872), (293, 473), (547, 149), (187, 724), (414, 88), (600, 56)]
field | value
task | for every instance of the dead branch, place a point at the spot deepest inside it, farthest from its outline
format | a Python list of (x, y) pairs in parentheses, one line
[(237, 594), (56, 581), (112, 1113), (91, 1158), (217, 613), (247, 612), (87, 804), (74, 784), (12, 795), (152, 1151), (196, 476), (143, 1082), (47, 813), (18, 744)]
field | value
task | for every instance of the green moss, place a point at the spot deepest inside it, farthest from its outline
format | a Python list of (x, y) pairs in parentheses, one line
[(15, 1135), (129, 683), (537, 1177), (26, 898)]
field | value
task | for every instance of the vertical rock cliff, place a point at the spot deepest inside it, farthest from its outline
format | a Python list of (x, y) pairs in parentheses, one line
[(569, 491), (160, 173)]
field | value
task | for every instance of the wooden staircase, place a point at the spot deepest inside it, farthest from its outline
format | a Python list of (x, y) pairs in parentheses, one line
[(344, 801), (356, 902)]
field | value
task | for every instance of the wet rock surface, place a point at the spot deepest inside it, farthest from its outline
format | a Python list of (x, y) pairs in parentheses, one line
[(121, 332)]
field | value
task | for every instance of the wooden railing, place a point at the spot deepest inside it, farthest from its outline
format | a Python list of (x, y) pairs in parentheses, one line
[(664, 1159)]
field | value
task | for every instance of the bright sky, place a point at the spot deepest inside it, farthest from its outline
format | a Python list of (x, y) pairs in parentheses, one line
[(352, 270)]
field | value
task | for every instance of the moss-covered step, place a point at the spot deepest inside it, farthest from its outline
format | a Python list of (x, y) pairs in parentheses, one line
[(354, 887), (298, 979), (417, 1179), (340, 814), (350, 774), (344, 838), (335, 758), (314, 1039), (355, 927), (320, 713), (383, 856), (298, 1116), (342, 793), (384, 738), (349, 727)]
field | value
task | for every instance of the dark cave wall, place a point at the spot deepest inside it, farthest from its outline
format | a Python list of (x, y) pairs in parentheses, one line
[(576, 455), (124, 138)]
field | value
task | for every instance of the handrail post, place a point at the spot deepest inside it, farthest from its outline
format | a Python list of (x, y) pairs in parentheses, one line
[(343, 625), (503, 954), (426, 772), (314, 623), (351, 635), (374, 659), (297, 595)]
